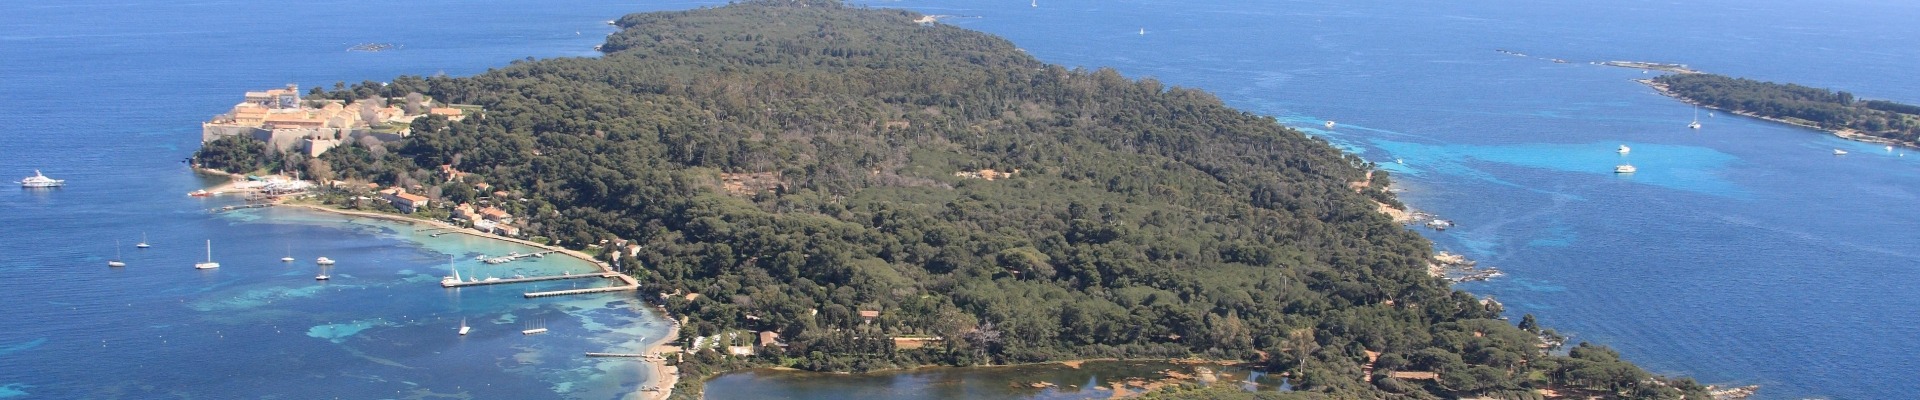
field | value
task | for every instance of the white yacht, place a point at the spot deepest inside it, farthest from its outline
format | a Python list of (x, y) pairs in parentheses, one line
[(1696, 118), (143, 241), (534, 331), (1329, 124), (463, 327), (1624, 149), (289, 257), (115, 262), (1624, 169), (323, 273), (451, 280), (1839, 152), (209, 264), (323, 261), (41, 181)]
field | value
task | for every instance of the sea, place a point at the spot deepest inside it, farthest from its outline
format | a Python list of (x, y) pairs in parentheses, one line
[(1741, 253)]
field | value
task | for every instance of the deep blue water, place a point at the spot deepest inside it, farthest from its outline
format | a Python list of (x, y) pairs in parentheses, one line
[(1743, 253), (109, 95)]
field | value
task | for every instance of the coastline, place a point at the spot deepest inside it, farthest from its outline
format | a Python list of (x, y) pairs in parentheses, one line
[(659, 386), (1848, 134)]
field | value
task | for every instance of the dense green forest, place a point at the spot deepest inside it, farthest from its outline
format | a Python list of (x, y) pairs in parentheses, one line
[(1817, 107), (797, 164)]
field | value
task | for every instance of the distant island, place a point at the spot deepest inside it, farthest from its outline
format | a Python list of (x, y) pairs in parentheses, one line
[(815, 186), (1839, 112)]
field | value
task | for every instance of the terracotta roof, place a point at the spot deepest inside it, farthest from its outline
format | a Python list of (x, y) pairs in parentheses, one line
[(411, 197), (869, 314)]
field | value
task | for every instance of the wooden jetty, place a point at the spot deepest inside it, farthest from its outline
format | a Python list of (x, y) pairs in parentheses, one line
[(582, 291), (628, 355), (449, 284), (238, 207)]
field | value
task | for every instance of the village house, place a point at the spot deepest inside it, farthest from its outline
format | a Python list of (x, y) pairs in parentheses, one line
[(407, 202)]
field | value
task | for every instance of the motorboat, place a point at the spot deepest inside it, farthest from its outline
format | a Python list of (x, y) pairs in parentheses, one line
[(41, 181), (323, 261), (1624, 149), (1624, 169)]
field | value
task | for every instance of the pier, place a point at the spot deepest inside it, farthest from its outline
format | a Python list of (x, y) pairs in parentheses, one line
[(238, 207), (449, 284), (516, 256), (627, 355), (531, 295)]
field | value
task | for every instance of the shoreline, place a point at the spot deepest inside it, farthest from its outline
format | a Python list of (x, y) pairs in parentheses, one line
[(1847, 134), (661, 378)]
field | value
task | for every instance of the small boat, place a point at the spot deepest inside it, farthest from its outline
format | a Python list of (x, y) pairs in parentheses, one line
[(1143, 31), (463, 327), (200, 193), (1889, 148), (451, 280), (289, 257), (1624, 149), (41, 181), (323, 273), (209, 264), (1440, 224), (143, 241), (323, 261), (490, 279), (1696, 118), (1401, 161), (1839, 152), (1624, 169), (115, 262), (1329, 124), (534, 331)]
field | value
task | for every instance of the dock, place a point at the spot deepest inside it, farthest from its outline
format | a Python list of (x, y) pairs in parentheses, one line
[(531, 295), (516, 256), (238, 207), (527, 279), (628, 355)]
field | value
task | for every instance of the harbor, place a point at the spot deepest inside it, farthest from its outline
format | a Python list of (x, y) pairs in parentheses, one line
[(450, 284), (623, 288)]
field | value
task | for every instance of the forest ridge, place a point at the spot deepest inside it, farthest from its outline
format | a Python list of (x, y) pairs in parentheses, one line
[(821, 172)]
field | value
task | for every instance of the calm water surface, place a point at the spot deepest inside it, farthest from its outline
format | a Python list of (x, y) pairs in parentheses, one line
[(1741, 253)]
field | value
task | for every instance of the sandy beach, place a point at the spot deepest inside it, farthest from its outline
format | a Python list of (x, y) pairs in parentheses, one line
[(664, 376)]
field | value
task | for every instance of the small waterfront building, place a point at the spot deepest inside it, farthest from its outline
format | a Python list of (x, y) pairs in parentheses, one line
[(407, 202), (769, 338), (495, 214)]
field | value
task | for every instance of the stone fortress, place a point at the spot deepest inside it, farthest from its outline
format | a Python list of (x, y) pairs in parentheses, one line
[(286, 122)]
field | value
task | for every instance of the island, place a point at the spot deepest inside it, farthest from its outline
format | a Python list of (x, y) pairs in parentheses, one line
[(804, 184), (1838, 112)]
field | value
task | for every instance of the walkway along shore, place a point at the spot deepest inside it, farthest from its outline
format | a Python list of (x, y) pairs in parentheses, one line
[(658, 387)]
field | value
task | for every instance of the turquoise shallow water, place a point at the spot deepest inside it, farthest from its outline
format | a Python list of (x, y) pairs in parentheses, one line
[(1740, 253), (109, 95)]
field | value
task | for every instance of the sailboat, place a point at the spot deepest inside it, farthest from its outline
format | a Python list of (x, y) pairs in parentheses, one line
[(289, 257), (209, 264), (143, 241), (323, 274), (115, 262), (1696, 118), (1036, 3), (463, 327), (1143, 31), (451, 280)]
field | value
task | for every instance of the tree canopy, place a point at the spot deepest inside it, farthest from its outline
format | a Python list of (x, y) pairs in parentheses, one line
[(1822, 108), (843, 175)]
